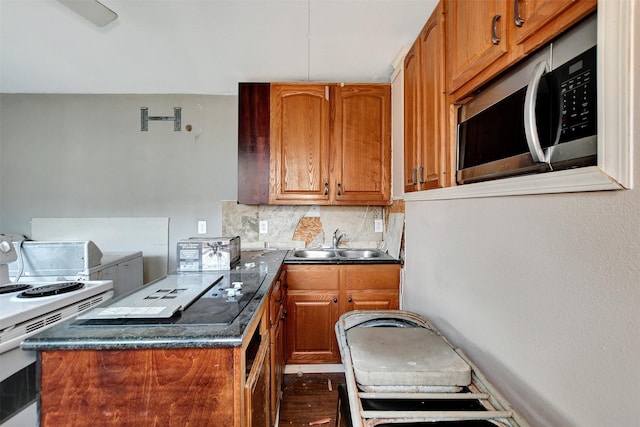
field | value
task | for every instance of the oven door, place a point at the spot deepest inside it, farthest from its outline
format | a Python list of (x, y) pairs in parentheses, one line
[(18, 388)]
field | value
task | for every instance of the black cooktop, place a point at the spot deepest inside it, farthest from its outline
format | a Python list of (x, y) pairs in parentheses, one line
[(213, 307)]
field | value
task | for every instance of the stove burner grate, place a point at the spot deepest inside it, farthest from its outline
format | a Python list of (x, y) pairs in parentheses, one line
[(52, 289), (7, 289)]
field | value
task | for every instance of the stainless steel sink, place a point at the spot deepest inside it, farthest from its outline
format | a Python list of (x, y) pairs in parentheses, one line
[(330, 256), (359, 253), (315, 254)]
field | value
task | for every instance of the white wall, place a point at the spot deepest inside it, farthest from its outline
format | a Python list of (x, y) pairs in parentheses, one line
[(85, 156), (542, 292)]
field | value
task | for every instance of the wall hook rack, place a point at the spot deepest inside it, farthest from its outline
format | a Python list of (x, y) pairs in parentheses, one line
[(176, 118)]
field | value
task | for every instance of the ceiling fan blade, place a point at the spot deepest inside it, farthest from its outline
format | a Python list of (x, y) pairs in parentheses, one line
[(92, 10)]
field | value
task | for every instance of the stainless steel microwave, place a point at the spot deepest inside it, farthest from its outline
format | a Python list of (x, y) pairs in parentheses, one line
[(538, 117)]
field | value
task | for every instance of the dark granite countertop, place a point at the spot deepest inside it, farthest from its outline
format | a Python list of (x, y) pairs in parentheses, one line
[(73, 335)]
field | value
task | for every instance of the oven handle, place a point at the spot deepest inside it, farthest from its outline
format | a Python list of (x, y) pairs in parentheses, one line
[(530, 129)]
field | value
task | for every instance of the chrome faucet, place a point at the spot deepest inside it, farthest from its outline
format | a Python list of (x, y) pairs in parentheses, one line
[(336, 238)]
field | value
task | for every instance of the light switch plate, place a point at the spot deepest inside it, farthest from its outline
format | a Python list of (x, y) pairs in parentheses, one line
[(202, 227), (378, 226)]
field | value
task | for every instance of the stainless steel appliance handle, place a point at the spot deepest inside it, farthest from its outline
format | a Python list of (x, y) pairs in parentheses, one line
[(530, 130)]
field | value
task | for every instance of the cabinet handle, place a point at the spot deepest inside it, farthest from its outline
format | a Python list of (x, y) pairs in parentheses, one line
[(335, 300), (494, 36), (413, 176), (326, 188), (350, 299), (517, 19), (421, 174), (339, 190)]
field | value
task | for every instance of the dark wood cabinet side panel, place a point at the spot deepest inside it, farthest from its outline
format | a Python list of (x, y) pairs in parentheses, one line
[(175, 387), (253, 143)]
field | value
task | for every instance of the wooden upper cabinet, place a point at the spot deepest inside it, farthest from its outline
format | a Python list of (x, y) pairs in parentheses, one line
[(330, 144), (538, 21), (432, 172), (425, 145), (412, 116), (299, 167), (485, 37), (361, 145), (478, 38)]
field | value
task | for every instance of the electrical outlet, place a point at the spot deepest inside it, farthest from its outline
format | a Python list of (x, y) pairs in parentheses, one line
[(378, 225), (264, 227), (202, 227)]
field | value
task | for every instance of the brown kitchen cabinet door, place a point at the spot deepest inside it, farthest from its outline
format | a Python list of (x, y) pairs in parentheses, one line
[(278, 363), (426, 145), (277, 318), (477, 39), (433, 170), (361, 144), (257, 389), (311, 316), (412, 117), (539, 21), (300, 134)]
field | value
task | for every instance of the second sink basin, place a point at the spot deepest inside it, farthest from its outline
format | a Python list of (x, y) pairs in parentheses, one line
[(359, 253)]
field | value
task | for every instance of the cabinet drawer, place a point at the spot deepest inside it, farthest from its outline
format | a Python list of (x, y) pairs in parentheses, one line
[(313, 278), (373, 277)]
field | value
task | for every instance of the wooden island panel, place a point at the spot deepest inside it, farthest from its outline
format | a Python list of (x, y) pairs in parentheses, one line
[(172, 387)]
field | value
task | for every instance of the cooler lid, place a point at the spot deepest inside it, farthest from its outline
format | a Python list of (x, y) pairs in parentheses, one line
[(388, 356)]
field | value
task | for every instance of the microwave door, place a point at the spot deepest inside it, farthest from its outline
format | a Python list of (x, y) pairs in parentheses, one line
[(493, 144)]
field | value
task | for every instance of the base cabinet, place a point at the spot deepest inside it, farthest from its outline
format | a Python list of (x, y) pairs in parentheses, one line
[(319, 294), (226, 386), (172, 387)]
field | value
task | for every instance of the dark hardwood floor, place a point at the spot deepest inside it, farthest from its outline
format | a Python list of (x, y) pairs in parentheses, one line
[(310, 398)]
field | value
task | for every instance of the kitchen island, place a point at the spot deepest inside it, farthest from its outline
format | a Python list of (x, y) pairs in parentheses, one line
[(188, 370)]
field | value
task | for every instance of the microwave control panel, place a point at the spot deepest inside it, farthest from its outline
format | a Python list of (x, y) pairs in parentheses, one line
[(577, 80)]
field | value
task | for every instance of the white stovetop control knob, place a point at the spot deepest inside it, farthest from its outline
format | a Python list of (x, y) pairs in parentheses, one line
[(5, 246), (7, 251)]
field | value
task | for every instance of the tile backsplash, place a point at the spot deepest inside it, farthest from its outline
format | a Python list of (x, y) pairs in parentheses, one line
[(294, 226)]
